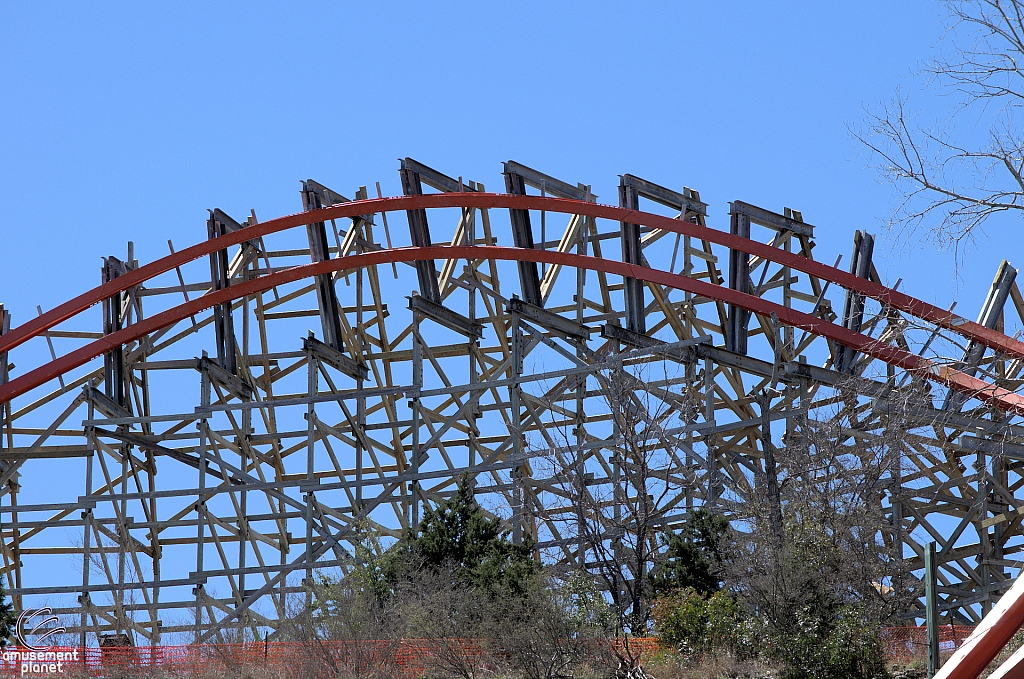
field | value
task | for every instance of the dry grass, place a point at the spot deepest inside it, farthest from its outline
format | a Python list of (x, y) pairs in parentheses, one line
[(673, 666)]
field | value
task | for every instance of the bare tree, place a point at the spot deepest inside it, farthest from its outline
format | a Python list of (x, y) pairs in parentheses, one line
[(950, 178), (617, 521), (821, 538), (453, 619), (351, 625), (557, 631)]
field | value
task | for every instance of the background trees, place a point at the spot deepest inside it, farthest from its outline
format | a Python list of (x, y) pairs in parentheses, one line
[(458, 537), (802, 579), (808, 569), (635, 438), (459, 583), (696, 557)]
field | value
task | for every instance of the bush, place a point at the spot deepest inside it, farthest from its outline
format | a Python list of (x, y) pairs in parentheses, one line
[(559, 630), (700, 627), (849, 648), (695, 625), (459, 537)]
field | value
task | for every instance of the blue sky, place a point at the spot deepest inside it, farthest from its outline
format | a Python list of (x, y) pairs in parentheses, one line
[(126, 121)]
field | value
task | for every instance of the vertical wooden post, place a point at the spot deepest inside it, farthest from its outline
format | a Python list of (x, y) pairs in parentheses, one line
[(86, 535), (414, 404), (931, 598), (711, 498), (517, 428), (204, 440), (739, 279)]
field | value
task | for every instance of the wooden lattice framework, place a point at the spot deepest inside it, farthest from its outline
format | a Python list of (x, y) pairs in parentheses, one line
[(480, 341)]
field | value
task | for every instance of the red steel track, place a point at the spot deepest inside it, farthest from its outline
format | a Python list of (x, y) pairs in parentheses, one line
[(996, 396)]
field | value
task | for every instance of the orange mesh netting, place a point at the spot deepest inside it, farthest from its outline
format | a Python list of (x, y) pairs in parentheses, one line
[(398, 657)]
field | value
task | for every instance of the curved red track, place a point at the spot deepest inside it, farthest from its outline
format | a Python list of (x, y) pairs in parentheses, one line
[(1004, 399), (1001, 398)]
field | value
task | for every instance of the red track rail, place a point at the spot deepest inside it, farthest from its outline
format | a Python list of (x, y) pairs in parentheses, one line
[(913, 306), (1000, 398)]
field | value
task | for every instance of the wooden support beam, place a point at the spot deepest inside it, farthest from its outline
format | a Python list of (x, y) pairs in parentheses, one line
[(313, 195), (739, 279), (522, 237), (853, 308), (419, 232)]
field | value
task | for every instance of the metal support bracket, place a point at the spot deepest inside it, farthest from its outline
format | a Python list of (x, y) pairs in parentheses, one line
[(113, 360), (991, 311), (223, 377), (446, 317), (772, 220), (313, 195), (626, 336), (550, 321), (632, 253), (217, 225), (335, 359), (853, 308), (739, 280)]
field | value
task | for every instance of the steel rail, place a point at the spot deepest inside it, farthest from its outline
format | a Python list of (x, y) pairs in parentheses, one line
[(988, 639), (898, 300), (994, 395)]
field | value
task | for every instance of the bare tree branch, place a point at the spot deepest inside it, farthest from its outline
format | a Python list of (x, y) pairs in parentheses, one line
[(948, 189)]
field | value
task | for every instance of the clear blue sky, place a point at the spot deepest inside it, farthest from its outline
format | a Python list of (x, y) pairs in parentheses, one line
[(126, 121)]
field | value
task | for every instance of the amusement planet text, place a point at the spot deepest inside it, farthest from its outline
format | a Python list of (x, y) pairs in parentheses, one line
[(38, 662)]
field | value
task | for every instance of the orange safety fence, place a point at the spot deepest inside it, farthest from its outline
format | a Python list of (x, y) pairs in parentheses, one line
[(402, 658), (904, 643), (323, 659)]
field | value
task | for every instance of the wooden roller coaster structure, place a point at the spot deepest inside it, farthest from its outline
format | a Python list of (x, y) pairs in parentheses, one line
[(477, 346)]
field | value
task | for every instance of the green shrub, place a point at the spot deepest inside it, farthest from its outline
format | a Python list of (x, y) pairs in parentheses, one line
[(458, 535), (849, 648), (697, 625)]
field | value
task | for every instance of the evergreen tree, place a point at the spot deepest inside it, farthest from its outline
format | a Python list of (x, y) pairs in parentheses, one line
[(695, 556), (7, 617), (457, 534)]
